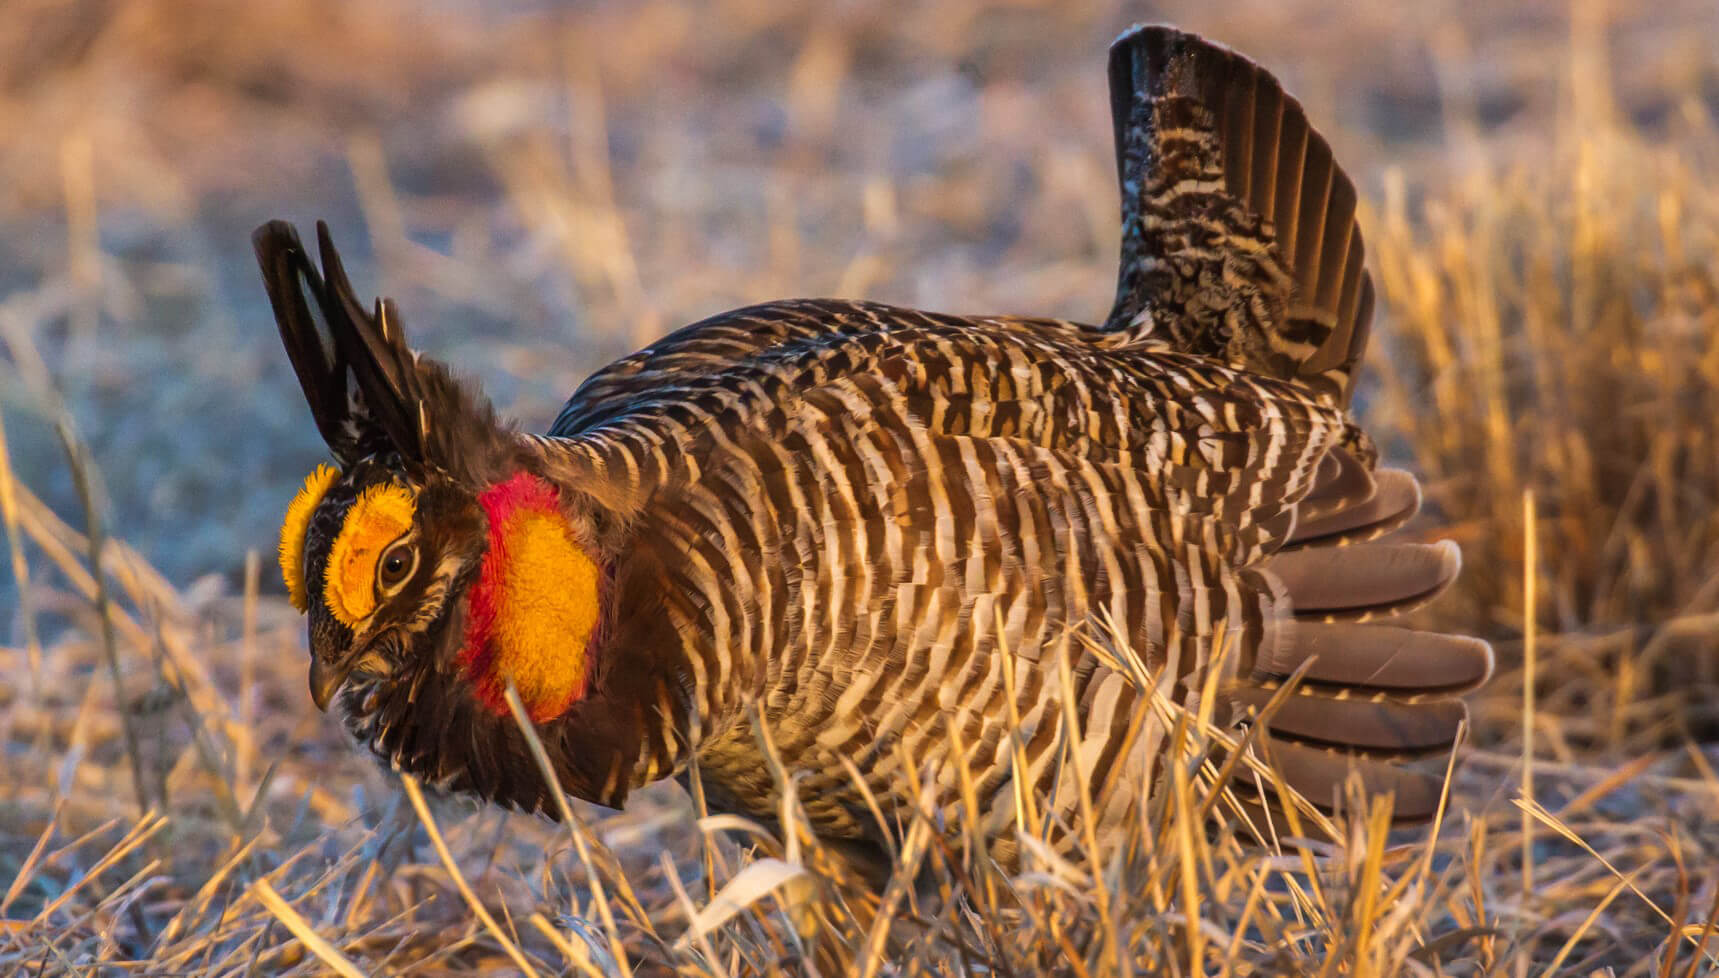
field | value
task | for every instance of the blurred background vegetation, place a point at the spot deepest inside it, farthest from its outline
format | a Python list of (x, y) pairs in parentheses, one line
[(545, 186)]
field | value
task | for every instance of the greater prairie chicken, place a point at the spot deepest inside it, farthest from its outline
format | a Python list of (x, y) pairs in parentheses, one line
[(840, 518)]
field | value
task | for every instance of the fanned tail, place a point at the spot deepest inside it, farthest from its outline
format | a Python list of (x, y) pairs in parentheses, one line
[(1240, 244), (1374, 697), (1239, 235)]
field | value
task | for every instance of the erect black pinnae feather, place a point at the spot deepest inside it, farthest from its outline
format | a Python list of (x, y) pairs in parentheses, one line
[(369, 392), (307, 333), (374, 348)]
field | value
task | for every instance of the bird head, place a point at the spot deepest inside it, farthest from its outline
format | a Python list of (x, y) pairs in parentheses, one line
[(435, 560)]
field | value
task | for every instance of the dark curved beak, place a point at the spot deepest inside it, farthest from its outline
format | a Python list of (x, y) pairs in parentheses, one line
[(326, 678)]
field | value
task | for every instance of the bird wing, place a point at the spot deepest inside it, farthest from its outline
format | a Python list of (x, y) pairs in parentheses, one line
[(709, 347), (843, 517)]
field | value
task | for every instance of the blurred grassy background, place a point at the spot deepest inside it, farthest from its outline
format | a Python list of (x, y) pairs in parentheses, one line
[(577, 179), (546, 186)]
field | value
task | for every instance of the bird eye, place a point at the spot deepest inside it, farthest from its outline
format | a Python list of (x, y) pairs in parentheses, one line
[(396, 566)]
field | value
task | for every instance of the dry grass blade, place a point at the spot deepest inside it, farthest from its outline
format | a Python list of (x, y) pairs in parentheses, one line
[(140, 832), (26, 868), (20, 565), (325, 952), (429, 822), (789, 883), (1095, 853), (1530, 673), (1553, 822), (178, 922), (575, 828), (78, 461), (1587, 924)]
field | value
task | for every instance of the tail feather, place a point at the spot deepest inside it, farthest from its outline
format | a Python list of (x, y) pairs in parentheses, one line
[(1341, 482), (1375, 699), (1224, 180), (1319, 775), (1377, 723), (1366, 580), (1240, 243), (1395, 500), (1378, 658)]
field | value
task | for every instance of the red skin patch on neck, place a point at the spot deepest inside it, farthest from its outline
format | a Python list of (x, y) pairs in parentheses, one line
[(520, 493)]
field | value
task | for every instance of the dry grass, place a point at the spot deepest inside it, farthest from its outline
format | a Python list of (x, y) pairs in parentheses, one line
[(1542, 227)]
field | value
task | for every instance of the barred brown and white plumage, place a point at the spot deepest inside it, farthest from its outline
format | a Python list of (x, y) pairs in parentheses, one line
[(852, 521)]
